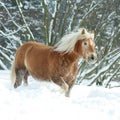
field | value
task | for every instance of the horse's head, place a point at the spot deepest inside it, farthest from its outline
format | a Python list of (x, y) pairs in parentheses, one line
[(81, 42), (86, 47)]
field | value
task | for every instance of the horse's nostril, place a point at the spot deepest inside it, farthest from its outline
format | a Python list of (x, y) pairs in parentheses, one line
[(92, 57)]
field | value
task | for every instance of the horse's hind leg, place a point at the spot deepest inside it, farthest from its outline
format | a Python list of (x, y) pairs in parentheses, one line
[(26, 78), (18, 80)]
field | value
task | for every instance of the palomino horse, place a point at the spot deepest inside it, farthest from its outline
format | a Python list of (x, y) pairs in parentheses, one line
[(58, 63)]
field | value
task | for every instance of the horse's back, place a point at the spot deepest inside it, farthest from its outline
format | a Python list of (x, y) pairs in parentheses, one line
[(20, 54)]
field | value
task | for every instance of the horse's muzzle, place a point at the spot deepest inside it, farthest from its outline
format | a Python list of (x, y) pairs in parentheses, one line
[(92, 58)]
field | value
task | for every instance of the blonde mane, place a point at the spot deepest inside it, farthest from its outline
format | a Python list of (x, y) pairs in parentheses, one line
[(67, 43)]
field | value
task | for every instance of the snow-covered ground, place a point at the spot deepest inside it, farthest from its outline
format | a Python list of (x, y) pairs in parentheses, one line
[(44, 101)]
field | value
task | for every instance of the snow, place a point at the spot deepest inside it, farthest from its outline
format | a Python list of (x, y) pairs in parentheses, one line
[(41, 100)]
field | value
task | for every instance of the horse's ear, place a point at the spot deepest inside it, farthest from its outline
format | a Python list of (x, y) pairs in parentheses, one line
[(83, 31), (92, 34)]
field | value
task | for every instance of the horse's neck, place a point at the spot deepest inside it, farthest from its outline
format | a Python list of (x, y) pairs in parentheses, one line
[(71, 57)]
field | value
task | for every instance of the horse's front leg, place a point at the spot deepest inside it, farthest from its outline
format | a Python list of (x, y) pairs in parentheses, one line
[(65, 85), (67, 93), (61, 82)]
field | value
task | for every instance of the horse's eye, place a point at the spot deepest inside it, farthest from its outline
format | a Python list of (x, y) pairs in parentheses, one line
[(85, 43)]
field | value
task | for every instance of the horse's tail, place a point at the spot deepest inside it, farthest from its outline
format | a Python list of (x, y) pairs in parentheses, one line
[(13, 73)]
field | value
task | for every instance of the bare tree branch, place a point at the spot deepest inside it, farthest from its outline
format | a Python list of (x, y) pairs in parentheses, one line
[(115, 72), (24, 21)]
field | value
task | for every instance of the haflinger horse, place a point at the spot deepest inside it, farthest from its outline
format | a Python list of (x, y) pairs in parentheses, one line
[(58, 63)]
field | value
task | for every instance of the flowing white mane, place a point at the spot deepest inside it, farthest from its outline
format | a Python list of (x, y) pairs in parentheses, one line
[(67, 43)]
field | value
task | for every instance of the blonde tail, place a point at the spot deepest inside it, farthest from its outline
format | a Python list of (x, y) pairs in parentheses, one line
[(13, 74)]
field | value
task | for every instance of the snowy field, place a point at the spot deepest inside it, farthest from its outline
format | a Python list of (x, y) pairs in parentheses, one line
[(44, 101)]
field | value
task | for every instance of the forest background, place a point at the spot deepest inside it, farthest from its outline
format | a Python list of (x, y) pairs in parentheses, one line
[(47, 21)]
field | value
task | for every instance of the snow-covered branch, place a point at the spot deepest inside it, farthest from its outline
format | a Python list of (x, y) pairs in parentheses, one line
[(46, 20), (110, 78), (9, 14), (109, 56), (105, 68), (24, 21), (90, 10), (11, 33), (53, 20)]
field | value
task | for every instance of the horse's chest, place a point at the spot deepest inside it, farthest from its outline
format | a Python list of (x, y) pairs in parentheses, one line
[(66, 70), (62, 67)]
